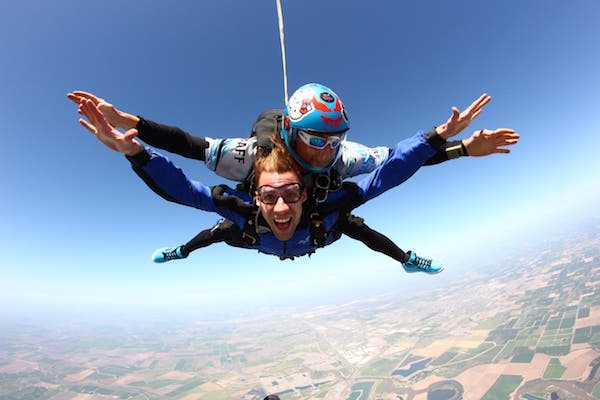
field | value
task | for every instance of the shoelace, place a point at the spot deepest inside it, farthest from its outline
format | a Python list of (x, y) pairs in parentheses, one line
[(423, 263), (171, 255)]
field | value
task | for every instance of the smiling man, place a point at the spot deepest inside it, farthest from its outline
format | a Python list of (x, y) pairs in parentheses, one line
[(280, 225), (280, 193), (313, 127)]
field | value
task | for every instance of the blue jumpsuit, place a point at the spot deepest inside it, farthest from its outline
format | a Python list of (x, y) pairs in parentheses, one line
[(162, 176)]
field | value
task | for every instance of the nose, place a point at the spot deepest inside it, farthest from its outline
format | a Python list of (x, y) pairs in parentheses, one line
[(280, 205), (326, 154)]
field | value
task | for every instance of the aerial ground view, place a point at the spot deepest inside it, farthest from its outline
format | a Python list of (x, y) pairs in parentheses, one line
[(505, 332)]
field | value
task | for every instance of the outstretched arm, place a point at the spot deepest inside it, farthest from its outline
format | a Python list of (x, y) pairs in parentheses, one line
[(158, 172), (481, 143), (230, 158)]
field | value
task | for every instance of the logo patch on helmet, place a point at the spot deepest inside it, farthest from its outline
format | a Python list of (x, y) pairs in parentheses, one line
[(300, 104), (327, 97)]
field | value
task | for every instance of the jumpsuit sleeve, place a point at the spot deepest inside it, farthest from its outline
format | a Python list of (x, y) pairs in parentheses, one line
[(229, 158), (406, 158), (171, 183), (356, 159)]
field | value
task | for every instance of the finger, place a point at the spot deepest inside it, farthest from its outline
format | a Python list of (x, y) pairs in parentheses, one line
[(503, 130), (87, 125), (485, 100), (478, 104), (455, 114), (88, 96), (475, 109), (96, 116), (93, 115), (475, 114), (74, 98), (130, 135)]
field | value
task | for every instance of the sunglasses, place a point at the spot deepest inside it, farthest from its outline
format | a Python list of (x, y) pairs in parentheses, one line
[(290, 193), (320, 141)]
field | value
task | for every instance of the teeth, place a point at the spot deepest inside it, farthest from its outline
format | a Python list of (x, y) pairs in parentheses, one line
[(282, 220)]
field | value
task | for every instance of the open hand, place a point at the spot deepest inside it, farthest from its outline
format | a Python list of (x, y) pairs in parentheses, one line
[(114, 117), (107, 134), (460, 120), (485, 142)]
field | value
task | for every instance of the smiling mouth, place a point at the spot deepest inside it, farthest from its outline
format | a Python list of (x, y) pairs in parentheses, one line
[(282, 221), (282, 224)]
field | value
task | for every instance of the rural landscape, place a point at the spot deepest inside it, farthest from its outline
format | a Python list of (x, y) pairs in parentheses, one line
[(527, 327)]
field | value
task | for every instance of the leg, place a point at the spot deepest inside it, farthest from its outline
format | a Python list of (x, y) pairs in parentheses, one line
[(223, 231), (356, 228)]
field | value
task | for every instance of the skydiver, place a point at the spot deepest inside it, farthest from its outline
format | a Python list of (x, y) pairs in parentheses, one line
[(279, 225)]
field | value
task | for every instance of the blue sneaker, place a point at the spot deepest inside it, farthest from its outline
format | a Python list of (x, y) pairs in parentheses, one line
[(420, 264), (165, 254)]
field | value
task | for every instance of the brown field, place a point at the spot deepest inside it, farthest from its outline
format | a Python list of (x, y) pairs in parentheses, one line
[(593, 319), (126, 380), (440, 346), (477, 380), (176, 376), (17, 366), (577, 363), (80, 376)]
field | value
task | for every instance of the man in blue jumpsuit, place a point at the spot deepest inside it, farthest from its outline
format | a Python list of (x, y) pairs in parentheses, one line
[(307, 109), (281, 225)]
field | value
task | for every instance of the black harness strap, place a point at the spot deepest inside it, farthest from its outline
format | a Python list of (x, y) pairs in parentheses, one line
[(248, 211)]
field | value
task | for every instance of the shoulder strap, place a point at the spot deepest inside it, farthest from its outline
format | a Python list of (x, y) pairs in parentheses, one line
[(233, 203)]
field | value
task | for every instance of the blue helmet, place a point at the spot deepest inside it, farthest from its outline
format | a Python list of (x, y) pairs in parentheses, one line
[(314, 108)]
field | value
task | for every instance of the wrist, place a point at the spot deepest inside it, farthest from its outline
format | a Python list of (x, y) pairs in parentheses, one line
[(434, 139), (134, 151), (467, 143), (140, 158), (443, 131), (456, 149), (127, 121)]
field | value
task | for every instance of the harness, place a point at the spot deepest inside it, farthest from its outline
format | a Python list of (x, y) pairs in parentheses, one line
[(319, 209), (315, 210)]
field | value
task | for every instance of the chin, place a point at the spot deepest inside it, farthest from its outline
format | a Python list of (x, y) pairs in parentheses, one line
[(320, 165), (284, 238)]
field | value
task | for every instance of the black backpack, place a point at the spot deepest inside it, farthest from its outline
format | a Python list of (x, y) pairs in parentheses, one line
[(267, 123)]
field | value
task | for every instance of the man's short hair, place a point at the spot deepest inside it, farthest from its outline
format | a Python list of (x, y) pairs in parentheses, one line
[(277, 159)]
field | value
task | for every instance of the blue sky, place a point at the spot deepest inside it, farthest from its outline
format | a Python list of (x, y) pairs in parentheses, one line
[(79, 226)]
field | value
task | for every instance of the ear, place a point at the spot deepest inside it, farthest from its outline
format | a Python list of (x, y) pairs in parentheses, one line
[(257, 198), (304, 196)]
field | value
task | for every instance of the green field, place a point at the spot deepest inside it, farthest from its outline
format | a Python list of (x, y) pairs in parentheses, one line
[(380, 367), (522, 355), (584, 312), (503, 387), (554, 370)]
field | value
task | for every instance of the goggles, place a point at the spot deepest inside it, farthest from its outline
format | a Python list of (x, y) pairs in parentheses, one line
[(290, 193), (320, 141)]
